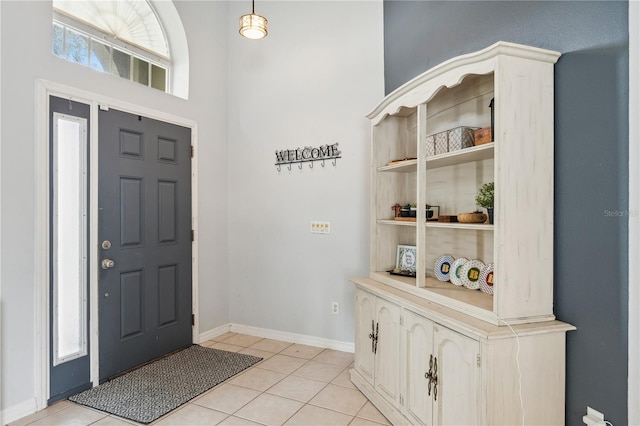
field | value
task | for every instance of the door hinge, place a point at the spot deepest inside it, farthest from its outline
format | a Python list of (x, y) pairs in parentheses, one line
[(193, 235), (192, 151), (478, 359), (401, 320), (193, 319), (401, 400)]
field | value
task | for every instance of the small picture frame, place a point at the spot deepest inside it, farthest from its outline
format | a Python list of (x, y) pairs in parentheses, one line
[(406, 259)]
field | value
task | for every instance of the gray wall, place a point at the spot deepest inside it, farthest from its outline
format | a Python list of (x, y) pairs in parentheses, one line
[(591, 155)]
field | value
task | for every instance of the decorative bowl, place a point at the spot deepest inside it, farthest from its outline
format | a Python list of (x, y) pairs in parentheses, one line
[(472, 217)]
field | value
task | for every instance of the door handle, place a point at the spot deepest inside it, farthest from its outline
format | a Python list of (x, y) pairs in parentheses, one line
[(374, 338), (107, 264), (432, 376)]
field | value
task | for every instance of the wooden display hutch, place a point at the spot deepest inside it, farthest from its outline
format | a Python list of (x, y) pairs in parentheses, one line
[(520, 161)]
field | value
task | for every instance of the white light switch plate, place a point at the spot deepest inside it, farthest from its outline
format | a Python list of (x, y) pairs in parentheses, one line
[(320, 227)]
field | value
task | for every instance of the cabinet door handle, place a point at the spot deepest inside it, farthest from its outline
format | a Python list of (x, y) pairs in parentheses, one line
[(375, 340), (372, 336), (429, 374), (435, 378), (432, 376)]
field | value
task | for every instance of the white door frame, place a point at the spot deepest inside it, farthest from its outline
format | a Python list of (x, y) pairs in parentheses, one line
[(633, 402), (44, 89)]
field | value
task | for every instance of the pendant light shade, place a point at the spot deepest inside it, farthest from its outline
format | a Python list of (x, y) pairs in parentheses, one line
[(253, 26)]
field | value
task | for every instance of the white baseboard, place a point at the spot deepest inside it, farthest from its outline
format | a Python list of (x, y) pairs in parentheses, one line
[(302, 339), (18, 411), (214, 332)]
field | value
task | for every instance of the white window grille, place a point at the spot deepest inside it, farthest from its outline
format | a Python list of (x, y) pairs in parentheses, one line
[(123, 38)]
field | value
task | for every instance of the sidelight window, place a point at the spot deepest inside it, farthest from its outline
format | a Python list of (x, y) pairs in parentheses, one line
[(69, 226)]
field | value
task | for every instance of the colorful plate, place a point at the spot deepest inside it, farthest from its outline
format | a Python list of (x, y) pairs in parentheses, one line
[(443, 266), (456, 269), (470, 274), (486, 279)]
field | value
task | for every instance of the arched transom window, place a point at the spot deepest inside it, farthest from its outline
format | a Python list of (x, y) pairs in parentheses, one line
[(122, 37)]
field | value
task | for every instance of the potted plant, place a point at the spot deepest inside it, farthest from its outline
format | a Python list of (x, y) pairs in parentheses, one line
[(485, 198)]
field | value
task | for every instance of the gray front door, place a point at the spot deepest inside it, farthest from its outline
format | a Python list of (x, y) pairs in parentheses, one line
[(144, 232)]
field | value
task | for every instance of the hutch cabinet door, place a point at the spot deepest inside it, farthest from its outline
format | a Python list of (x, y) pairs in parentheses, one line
[(365, 317), (387, 354), (418, 349), (457, 400)]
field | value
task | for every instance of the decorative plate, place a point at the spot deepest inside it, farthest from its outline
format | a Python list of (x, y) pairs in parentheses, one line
[(486, 279), (470, 274), (443, 266), (456, 269)]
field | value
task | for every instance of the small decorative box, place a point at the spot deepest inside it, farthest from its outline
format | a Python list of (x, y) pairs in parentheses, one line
[(483, 136), (448, 218)]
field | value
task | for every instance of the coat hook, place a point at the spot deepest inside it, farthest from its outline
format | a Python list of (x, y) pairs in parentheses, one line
[(323, 162), (311, 164), (334, 161), (300, 165), (289, 166), (278, 167)]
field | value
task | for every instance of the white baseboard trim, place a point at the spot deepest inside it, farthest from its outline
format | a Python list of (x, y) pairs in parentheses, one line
[(266, 333), (214, 332), (302, 339), (18, 411)]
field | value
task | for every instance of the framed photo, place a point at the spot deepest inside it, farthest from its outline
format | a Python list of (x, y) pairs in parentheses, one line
[(406, 259)]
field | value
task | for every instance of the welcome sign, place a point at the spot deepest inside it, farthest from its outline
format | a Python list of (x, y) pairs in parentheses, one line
[(307, 154)]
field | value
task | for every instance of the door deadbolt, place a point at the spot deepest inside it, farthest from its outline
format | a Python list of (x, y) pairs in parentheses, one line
[(106, 245), (107, 264)]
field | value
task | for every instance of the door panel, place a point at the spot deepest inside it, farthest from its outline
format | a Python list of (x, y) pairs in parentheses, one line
[(131, 306), (131, 199), (145, 212), (167, 211), (168, 294)]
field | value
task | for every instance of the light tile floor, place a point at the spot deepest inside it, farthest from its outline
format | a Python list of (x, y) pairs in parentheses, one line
[(293, 385)]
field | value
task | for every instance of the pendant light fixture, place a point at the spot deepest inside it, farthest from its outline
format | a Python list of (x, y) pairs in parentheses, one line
[(253, 26)]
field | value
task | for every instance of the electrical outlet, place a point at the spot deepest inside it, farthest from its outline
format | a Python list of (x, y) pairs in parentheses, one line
[(320, 227), (335, 308)]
